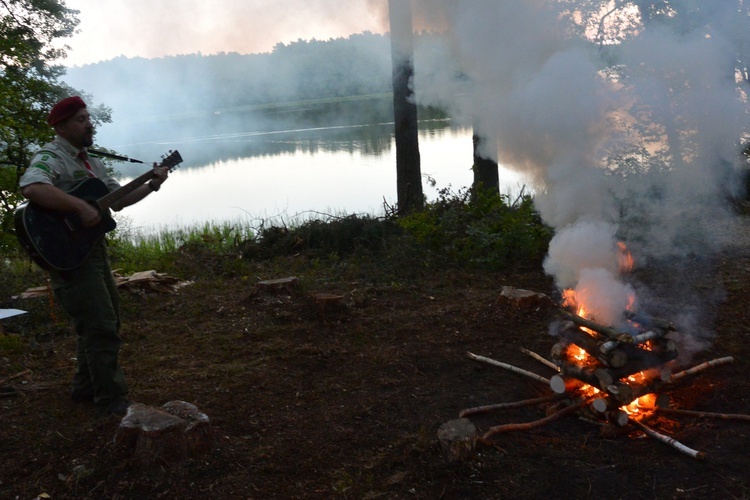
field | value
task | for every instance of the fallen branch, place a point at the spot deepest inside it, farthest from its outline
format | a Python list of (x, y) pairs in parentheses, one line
[(17, 375), (536, 423), (507, 406), (541, 359), (670, 441), (704, 414), (701, 367), (512, 368)]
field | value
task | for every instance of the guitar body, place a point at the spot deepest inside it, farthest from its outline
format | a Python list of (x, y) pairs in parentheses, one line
[(57, 240)]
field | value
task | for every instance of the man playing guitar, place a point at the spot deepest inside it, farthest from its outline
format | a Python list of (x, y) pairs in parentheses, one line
[(87, 292)]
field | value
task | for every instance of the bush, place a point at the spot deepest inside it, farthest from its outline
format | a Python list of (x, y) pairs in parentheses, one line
[(480, 230)]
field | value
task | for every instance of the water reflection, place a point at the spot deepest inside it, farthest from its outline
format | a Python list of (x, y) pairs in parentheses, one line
[(291, 174)]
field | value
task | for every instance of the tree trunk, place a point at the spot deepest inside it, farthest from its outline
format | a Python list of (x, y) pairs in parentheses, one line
[(486, 176), (408, 169)]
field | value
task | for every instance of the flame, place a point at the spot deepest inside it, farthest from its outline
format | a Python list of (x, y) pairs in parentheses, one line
[(641, 406), (572, 300), (624, 258), (644, 404)]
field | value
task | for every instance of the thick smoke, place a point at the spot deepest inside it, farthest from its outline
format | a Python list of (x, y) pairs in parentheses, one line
[(645, 153)]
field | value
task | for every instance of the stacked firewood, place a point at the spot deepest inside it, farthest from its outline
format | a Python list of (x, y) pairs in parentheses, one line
[(613, 357), (622, 366)]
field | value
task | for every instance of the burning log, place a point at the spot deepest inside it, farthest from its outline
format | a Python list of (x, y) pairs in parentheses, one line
[(506, 366), (650, 321), (617, 418), (564, 385), (604, 404), (595, 378), (590, 344), (668, 440), (647, 362), (601, 371), (636, 339), (624, 393), (607, 331)]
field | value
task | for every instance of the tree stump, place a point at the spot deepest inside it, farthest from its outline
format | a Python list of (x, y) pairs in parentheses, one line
[(326, 300), (524, 299), (458, 439), (169, 434), (280, 285)]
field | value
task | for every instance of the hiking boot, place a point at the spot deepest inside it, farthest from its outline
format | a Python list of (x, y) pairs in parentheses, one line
[(118, 408), (81, 396)]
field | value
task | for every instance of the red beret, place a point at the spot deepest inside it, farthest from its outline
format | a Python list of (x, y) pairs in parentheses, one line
[(64, 110)]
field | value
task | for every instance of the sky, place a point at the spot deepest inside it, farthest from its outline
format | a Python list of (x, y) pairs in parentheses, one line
[(157, 28)]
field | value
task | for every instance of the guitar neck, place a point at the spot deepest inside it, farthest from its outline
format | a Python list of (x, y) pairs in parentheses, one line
[(106, 202)]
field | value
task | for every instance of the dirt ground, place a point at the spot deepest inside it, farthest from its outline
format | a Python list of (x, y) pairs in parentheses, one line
[(346, 402)]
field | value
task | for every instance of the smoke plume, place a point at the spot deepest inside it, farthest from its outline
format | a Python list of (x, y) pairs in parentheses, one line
[(644, 151)]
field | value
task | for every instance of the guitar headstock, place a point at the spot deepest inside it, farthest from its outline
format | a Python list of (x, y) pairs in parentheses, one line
[(171, 160)]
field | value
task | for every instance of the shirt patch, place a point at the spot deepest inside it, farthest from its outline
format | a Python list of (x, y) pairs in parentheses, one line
[(42, 166)]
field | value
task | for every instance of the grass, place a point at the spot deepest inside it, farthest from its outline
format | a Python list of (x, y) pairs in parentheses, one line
[(460, 230)]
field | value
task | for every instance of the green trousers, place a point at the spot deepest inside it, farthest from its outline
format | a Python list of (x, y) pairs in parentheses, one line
[(88, 294)]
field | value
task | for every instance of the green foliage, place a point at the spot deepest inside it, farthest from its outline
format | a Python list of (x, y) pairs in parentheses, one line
[(10, 344), (479, 230), (29, 86), (465, 229), (338, 236), (167, 250)]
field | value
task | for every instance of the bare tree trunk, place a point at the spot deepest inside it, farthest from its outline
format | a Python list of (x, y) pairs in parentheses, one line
[(408, 168), (486, 176)]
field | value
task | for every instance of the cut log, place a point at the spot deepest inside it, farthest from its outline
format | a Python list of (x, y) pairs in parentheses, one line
[(169, 434), (637, 339), (646, 321), (508, 367), (704, 414), (593, 377), (458, 439), (703, 366), (564, 385), (524, 299), (614, 357), (539, 358), (505, 406), (607, 331), (670, 441), (618, 418), (536, 423), (280, 285), (324, 301)]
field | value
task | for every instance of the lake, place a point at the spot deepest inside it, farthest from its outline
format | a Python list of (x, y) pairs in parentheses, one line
[(240, 174)]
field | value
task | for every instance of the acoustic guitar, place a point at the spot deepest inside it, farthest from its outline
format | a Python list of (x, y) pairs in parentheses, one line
[(58, 240)]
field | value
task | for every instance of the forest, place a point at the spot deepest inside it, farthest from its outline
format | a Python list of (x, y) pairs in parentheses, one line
[(314, 70)]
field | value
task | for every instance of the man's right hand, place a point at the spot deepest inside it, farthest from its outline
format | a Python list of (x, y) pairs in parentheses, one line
[(89, 215), (48, 196)]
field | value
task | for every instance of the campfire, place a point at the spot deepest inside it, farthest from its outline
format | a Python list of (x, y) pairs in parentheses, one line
[(613, 377)]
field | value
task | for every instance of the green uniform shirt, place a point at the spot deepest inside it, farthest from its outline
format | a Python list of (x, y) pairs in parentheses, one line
[(58, 164)]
